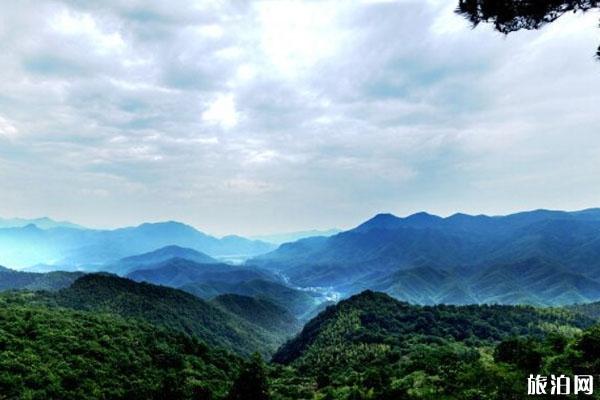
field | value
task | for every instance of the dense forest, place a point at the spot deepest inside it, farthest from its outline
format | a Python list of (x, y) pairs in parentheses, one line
[(83, 343)]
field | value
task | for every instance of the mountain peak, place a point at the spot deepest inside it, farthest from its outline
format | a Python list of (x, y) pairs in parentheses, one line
[(380, 221), (423, 217), (164, 224)]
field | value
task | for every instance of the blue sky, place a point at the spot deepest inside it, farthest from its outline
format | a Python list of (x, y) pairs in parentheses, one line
[(258, 117)]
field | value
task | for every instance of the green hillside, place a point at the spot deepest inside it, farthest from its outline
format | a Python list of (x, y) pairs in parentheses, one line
[(368, 347), (167, 307), (299, 302), (51, 353), (11, 279), (261, 312), (374, 347)]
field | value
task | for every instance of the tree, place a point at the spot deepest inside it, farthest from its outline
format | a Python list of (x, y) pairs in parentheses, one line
[(251, 383), (513, 15)]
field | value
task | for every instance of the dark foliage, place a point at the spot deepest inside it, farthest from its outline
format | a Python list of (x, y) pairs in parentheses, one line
[(513, 15), (251, 384), (11, 279), (261, 312), (169, 308)]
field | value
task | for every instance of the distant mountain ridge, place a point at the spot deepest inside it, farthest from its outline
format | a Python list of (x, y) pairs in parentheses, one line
[(42, 223), (473, 258), (280, 238), (14, 280), (298, 302), (177, 272), (155, 258), (91, 249), (540, 257)]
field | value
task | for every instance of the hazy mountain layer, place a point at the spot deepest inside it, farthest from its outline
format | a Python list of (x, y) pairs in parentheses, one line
[(280, 238), (177, 272), (538, 257), (155, 259), (10, 279), (91, 249), (261, 312), (298, 302)]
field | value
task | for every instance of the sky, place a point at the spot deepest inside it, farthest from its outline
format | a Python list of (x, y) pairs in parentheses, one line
[(263, 117)]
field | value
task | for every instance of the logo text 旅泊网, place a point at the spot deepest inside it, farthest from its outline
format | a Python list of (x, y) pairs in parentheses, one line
[(560, 385)]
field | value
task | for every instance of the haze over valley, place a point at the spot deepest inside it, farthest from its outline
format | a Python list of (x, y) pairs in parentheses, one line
[(542, 257)]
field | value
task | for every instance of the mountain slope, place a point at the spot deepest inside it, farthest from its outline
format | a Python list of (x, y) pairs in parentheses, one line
[(261, 312), (166, 307), (30, 245), (10, 279), (55, 353), (298, 302), (178, 272), (280, 238), (533, 281), (139, 261), (564, 246), (371, 346), (371, 322)]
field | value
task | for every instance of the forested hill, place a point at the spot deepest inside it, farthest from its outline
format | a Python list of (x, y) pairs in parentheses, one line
[(167, 307), (261, 312), (368, 347), (374, 347), (371, 322), (55, 353), (11, 279)]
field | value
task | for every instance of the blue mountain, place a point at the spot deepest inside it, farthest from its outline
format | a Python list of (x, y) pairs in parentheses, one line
[(460, 259), (91, 249)]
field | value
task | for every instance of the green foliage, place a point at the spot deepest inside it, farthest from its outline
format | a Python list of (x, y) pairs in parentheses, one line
[(51, 353), (369, 347), (299, 302), (374, 347), (251, 384), (167, 307), (260, 312), (11, 279)]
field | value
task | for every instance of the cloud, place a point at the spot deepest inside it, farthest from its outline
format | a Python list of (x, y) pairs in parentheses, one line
[(253, 117), (7, 129), (221, 111)]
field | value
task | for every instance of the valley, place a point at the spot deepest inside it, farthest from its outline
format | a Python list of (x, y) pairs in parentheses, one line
[(417, 308)]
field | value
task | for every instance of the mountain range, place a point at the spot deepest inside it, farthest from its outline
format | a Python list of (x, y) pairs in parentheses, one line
[(90, 249), (542, 257), (105, 336), (539, 257), (280, 238), (42, 223)]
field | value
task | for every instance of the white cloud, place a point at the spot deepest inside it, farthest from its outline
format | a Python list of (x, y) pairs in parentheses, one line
[(222, 111), (243, 116), (79, 25), (7, 129)]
